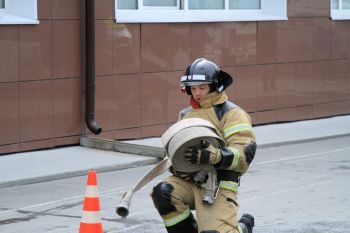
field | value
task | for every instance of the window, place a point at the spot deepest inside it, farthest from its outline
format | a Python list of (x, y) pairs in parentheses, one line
[(239, 4), (148, 4), (18, 12), (158, 11), (340, 9)]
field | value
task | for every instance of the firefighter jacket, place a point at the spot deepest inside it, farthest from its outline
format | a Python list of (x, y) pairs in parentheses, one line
[(233, 125)]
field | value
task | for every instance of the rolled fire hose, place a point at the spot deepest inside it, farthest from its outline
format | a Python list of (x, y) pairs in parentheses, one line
[(180, 136)]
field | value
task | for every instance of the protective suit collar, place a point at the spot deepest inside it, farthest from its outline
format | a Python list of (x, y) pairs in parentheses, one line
[(213, 98)]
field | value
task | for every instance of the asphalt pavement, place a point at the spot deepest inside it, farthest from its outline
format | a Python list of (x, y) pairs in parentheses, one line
[(45, 165)]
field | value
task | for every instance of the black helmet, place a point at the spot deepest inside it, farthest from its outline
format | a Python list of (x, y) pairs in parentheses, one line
[(203, 71)]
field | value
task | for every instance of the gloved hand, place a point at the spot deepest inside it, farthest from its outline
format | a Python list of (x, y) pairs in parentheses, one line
[(205, 154), (183, 175)]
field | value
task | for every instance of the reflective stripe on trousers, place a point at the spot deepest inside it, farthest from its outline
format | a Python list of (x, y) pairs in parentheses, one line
[(176, 219)]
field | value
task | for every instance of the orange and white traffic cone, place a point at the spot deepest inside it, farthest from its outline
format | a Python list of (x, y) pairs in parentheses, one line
[(91, 220)]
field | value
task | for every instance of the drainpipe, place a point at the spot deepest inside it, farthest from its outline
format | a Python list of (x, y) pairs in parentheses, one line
[(90, 67)]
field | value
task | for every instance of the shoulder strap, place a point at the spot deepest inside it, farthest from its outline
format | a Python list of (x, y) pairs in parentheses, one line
[(222, 109), (184, 112)]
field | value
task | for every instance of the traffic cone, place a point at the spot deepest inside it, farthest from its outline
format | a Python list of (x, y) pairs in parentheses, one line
[(91, 220)]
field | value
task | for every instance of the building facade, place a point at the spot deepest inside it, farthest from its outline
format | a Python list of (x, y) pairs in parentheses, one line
[(284, 70)]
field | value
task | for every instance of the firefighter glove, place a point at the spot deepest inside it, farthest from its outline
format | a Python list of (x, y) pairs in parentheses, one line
[(205, 154)]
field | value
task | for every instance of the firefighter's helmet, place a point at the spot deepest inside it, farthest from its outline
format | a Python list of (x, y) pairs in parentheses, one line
[(203, 71)]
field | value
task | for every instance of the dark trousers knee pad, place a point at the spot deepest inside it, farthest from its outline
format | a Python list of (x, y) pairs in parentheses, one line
[(161, 196)]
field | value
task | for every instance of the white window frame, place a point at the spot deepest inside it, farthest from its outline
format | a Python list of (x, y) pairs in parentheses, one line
[(339, 14), (270, 10), (19, 12)]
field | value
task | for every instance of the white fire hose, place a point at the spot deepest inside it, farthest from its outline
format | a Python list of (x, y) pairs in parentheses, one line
[(181, 135)]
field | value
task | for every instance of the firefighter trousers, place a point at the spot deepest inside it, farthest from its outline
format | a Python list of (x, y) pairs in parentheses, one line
[(175, 198)]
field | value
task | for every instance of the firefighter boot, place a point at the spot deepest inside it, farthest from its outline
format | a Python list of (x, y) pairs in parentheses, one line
[(188, 225), (246, 223)]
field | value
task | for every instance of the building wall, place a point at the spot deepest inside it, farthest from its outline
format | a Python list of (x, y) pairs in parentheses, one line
[(284, 71)]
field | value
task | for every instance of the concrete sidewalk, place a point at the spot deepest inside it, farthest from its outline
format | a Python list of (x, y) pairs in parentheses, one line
[(46, 165)]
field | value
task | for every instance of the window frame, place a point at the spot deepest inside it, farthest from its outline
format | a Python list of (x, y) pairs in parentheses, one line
[(19, 12), (270, 10), (339, 14)]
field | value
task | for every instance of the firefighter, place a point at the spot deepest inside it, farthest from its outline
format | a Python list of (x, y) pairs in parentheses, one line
[(178, 194)]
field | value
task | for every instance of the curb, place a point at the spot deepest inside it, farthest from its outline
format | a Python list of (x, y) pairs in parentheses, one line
[(122, 147), (298, 141), (81, 172)]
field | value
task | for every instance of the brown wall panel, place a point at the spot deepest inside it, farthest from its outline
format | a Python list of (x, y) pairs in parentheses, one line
[(104, 47), (12, 148), (266, 42), (177, 46), (303, 112), (153, 57), (67, 41), (36, 110), (44, 9), (285, 85), (8, 53), (285, 41), (67, 9), (340, 108), (285, 114), (225, 41), (105, 134), (67, 107), (204, 36), (303, 35), (165, 48), (245, 46), (303, 83), (127, 100), (300, 8), (35, 145), (321, 38), (127, 133), (9, 117), (73, 140), (321, 75), (152, 130), (339, 39), (153, 99), (322, 110), (35, 51), (265, 117), (339, 81), (126, 48), (104, 9), (246, 87), (104, 102), (321, 8), (266, 89)]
